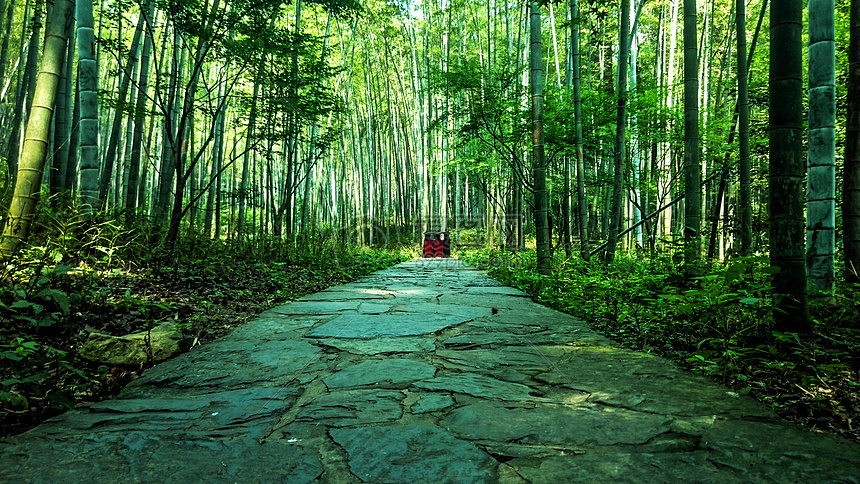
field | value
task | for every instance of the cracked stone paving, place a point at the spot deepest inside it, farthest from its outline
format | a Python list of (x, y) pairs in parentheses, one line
[(432, 372)]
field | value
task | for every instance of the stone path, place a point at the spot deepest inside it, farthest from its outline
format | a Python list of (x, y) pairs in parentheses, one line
[(428, 372)]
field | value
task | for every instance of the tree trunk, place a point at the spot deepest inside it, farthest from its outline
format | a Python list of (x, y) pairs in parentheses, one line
[(134, 178), (23, 93), (692, 163), (23, 208), (246, 160), (620, 132), (62, 118), (786, 167), (744, 131), (582, 202), (111, 158), (851, 177), (821, 161), (538, 161), (7, 13), (88, 86)]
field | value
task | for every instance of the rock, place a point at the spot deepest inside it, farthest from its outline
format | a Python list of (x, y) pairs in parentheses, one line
[(247, 411), (366, 326), (574, 425), (229, 363), (389, 372), (413, 453), (626, 467), (520, 357), (347, 292), (354, 407), (304, 308), (140, 457), (375, 346), (640, 381), (431, 402), (273, 326), (417, 310), (777, 451), (478, 386), (164, 341), (373, 308), (496, 290)]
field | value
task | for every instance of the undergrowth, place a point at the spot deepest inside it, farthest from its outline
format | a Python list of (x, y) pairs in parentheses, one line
[(111, 275), (718, 324)]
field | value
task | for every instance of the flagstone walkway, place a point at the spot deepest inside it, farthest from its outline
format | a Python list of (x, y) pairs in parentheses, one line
[(428, 372)]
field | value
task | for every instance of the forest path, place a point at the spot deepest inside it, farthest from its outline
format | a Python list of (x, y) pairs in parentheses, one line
[(432, 372)]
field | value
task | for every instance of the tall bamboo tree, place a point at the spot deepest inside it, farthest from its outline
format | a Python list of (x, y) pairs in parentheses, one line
[(88, 127), (620, 132), (23, 90), (36, 141), (111, 158), (692, 162), (851, 177), (538, 156), (132, 188), (786, 166), (582, 203), (821, 160), (743, 131)]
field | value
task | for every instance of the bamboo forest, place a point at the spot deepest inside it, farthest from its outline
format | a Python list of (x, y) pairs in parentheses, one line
[(682, 175)]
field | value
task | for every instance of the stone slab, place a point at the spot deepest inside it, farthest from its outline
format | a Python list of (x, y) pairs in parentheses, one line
[(397, 372), (430, 308), (140, 457), (375, 346), (797, 456), (218, 413), (532, 358), (303, 308), (625, 467), (364, 326), (431, 402), (373, 308), (230, 363), (345, 293), (488, 301), (413, 453), (620, 377), (573, 425), (353, 407), (274, 326), (479, 386), (496, 290)]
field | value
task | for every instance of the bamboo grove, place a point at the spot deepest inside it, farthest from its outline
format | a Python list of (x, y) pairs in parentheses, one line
[(714, 129)]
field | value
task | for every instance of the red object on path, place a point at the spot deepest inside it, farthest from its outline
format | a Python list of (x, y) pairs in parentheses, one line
[(437, 246), (428, 244)]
